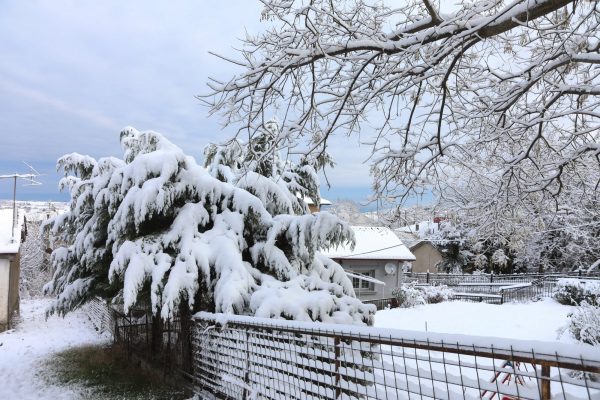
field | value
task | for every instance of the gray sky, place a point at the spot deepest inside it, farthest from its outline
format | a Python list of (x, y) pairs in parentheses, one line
[(73, 73)]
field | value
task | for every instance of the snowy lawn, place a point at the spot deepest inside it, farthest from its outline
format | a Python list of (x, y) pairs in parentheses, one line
[(25, 350), (541, 320)]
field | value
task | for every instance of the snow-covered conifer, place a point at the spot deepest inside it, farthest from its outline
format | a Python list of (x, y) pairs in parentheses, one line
[(155, 226)]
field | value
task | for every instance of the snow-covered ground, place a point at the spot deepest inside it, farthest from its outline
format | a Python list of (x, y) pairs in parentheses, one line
[(541, 320), (24, 349)]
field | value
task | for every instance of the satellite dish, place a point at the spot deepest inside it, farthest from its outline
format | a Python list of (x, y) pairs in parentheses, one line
[(390, 268)]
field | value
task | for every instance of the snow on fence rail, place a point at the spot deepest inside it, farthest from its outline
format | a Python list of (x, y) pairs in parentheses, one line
[(455, 279), (256, 358)]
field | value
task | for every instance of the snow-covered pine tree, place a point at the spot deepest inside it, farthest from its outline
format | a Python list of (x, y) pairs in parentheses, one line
[(259, 162), (157, 226)]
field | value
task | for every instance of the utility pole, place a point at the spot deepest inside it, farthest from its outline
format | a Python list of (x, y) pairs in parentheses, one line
[(31, 182)]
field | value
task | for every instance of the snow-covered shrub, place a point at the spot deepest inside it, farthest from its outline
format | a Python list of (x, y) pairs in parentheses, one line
[(500, 259), (572, 291), (585, 324), (436, 293), (408, 295), (480, 261), (231, 237)]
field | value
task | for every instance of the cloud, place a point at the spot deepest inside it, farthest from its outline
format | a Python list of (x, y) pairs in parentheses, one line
[(74, 73), (59, 105)]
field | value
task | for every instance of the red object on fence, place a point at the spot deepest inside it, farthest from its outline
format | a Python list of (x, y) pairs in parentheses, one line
[(506, 378)]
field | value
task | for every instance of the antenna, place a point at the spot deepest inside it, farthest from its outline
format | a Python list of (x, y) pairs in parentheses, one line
[(31, 181)]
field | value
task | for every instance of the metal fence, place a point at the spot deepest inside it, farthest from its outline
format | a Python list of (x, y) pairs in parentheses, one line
[(382, 304), (100, 314), (162, 345), (455, 279), (495, 289), (238, 357)]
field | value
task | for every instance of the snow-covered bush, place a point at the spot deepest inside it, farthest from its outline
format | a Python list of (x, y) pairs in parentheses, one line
[(572, 291), (436, 293), (408, 295), (585, 324), (411, 295), (500, 259), (231, 237)]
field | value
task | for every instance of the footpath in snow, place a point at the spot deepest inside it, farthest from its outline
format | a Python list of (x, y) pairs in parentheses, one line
[(24, 350)]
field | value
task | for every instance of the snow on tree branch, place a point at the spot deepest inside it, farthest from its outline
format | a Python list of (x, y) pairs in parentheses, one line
[(506, 91), (158, 227)]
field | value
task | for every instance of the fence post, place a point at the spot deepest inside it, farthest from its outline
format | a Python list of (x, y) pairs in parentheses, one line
[(427, 278), (545, 382), (338, 390), (492, 277)]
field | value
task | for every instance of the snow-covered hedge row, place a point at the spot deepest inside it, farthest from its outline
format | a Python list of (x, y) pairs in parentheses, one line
[(411, 295), (233, 236), (572, 291)]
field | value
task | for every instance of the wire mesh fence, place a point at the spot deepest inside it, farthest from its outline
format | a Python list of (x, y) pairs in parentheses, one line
[(252, 358), (455, 279), (100, 314), (156, 341)]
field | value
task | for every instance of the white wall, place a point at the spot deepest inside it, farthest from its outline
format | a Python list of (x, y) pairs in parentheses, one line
[(4, 285)]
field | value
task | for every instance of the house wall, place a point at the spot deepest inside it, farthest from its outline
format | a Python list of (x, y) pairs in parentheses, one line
[(14, 300), (4, 285), (364, 266), (9, 289), (427, 258)]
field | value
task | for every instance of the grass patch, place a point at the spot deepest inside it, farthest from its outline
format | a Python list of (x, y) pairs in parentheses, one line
[(106, 372)]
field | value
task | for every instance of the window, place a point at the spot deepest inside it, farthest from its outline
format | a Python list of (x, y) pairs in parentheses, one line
[(363, 284)]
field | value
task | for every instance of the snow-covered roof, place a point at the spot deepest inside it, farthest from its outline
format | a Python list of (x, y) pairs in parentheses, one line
[(7, 246), (322, 201), (422, 228), (409, 239), (373, 242)]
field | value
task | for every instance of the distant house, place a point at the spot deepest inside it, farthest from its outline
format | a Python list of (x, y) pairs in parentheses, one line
[(414, 236), (316, 207), (428, 256), (376, 262), (10, 243)]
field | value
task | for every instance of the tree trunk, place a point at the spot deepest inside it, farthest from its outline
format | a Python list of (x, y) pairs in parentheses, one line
[(157, 334)]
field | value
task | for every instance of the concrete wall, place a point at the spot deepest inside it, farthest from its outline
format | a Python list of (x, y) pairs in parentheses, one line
[(363, 267), (427, 258), (9, 289), (4, 289)]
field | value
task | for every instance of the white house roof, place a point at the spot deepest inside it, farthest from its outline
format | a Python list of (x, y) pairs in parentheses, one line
[(422, 228), (7, 246), (373, 242), (322, 201), (409, 239)]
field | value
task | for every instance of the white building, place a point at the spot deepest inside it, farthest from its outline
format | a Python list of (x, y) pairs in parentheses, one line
[(10, 243), (376, 262)]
